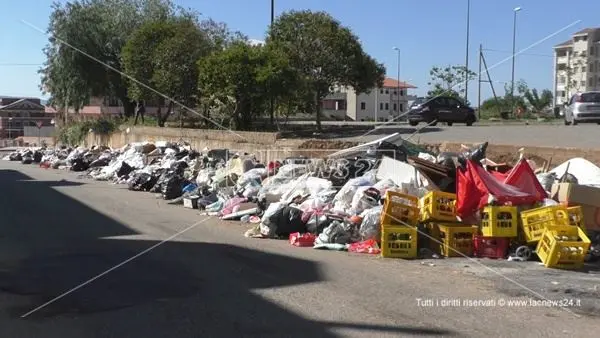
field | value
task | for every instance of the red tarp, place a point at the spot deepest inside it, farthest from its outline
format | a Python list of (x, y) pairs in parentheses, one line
[(474, 185)]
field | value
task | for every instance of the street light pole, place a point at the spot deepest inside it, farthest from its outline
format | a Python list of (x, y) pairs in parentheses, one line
[(512, 82), (272, 103), (399, 89), (467, 52), (9, 128)]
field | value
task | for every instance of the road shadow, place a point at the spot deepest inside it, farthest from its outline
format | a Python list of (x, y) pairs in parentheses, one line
[(51, 243)]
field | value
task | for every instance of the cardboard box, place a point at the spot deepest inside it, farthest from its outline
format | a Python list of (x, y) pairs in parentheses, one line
[(580, 195), (191, 202)]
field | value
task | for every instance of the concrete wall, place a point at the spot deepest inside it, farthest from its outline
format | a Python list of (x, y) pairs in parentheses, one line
[(265, 146)]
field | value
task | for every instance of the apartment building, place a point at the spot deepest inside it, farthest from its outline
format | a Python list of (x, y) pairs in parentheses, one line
[(577, 65), (381, 104)]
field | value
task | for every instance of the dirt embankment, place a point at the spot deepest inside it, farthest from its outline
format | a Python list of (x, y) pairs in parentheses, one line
[(498, 153)]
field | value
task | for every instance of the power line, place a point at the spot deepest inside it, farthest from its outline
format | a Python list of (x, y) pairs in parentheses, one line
[(509, 52)]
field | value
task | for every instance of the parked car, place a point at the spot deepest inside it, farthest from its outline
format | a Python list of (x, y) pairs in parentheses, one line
[(443, 109), (583, 107)]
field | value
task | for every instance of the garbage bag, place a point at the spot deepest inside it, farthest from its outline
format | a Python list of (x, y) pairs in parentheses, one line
[(399, 153), (142, 182), (336, 233), (15, 157), (124, 170), (476, 154), (283, 222), (79, 164), (547, 180), (370, 225), (101, 162), (37, 157), (27, 160), (173, 186)]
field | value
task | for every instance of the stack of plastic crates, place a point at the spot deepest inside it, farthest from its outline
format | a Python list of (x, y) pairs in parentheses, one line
[(399, 219), (498, 225), (563, 247), (535, 221), (576, 217)]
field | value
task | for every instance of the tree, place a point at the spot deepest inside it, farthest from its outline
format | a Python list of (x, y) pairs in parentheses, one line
[(84, 50), (323, 54), (538, 102), (245, 74), (449, 81), (161, 58)]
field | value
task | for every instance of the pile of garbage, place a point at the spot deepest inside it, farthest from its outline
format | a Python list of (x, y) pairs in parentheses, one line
[(385, 197)]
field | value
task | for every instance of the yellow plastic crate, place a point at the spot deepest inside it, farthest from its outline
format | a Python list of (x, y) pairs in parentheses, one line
[(456, 240), (576, 217), (499, 221), (438, 206), (563, 247), (398, 241), (535, 221), (400, 209)]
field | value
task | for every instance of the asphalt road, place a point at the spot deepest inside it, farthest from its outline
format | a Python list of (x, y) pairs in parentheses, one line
[(543, 135), (57, 232)]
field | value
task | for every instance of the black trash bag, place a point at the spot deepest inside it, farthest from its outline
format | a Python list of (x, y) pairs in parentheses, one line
[(173, 186), (124, 170), (101, 162), (79, 164), (317, 223), (179, 167), (27, 160), (161, 180), (287, 220), (15, 157), (37, 157), (140, 181), (181, 154), (193, 155), (476, 155)]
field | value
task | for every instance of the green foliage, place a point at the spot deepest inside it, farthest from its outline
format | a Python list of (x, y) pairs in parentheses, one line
[(248, 74), (161, 56), (75, 133), (323, 53), (538, 103), (449, 81)]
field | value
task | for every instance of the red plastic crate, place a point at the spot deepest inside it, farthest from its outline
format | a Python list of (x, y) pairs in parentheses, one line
[(302, 240), (490, 247)]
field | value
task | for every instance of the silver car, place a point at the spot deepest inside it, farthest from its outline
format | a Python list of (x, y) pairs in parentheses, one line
[(583, 107)]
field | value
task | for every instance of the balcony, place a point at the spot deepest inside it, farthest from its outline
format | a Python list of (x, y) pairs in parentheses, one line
[(562, 60)]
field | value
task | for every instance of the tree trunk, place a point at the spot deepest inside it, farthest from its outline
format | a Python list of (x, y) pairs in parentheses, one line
[(165, 117), (159, 114), (318, 110), (128, 106)]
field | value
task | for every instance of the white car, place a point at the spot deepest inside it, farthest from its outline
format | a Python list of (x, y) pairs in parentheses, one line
[(583, 108)]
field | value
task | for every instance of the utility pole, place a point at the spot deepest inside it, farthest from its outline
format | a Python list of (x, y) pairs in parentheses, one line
[(512, 81), (399, 89), (272, 105), (479, 85), (467, 53)]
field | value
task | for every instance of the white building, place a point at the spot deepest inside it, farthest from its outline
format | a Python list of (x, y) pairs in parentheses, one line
[(380, 104), (577, 65)]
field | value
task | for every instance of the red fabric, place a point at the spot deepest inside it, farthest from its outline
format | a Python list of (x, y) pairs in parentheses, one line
[(523, 177), (474, 185), (500, 176)]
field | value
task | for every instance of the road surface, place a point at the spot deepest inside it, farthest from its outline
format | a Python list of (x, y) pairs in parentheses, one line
[(543, 135), (58, 232)]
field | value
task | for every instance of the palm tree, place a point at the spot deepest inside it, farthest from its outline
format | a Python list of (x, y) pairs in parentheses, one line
[(538, 102)]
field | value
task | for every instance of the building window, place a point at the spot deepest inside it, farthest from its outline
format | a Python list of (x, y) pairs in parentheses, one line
[(591, 67), (592, 50), (387, 106), (381, 106), (401, 108), (363, 106), (395, 107), (575, 69), (380, 91), (18, 124), (583, 83), (387, 91), (561, 80), (583, 69), (591, 81), (395, 92)]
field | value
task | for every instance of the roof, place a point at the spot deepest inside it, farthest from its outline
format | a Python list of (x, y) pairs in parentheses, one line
[(586, 31), (393, 83), (87, 110), (564, 44), (22, 104)]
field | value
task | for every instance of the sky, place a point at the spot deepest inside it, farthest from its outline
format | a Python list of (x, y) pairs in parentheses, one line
[(427, 32)]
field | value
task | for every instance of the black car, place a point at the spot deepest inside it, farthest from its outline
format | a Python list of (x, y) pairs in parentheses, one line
[(440, 109)]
